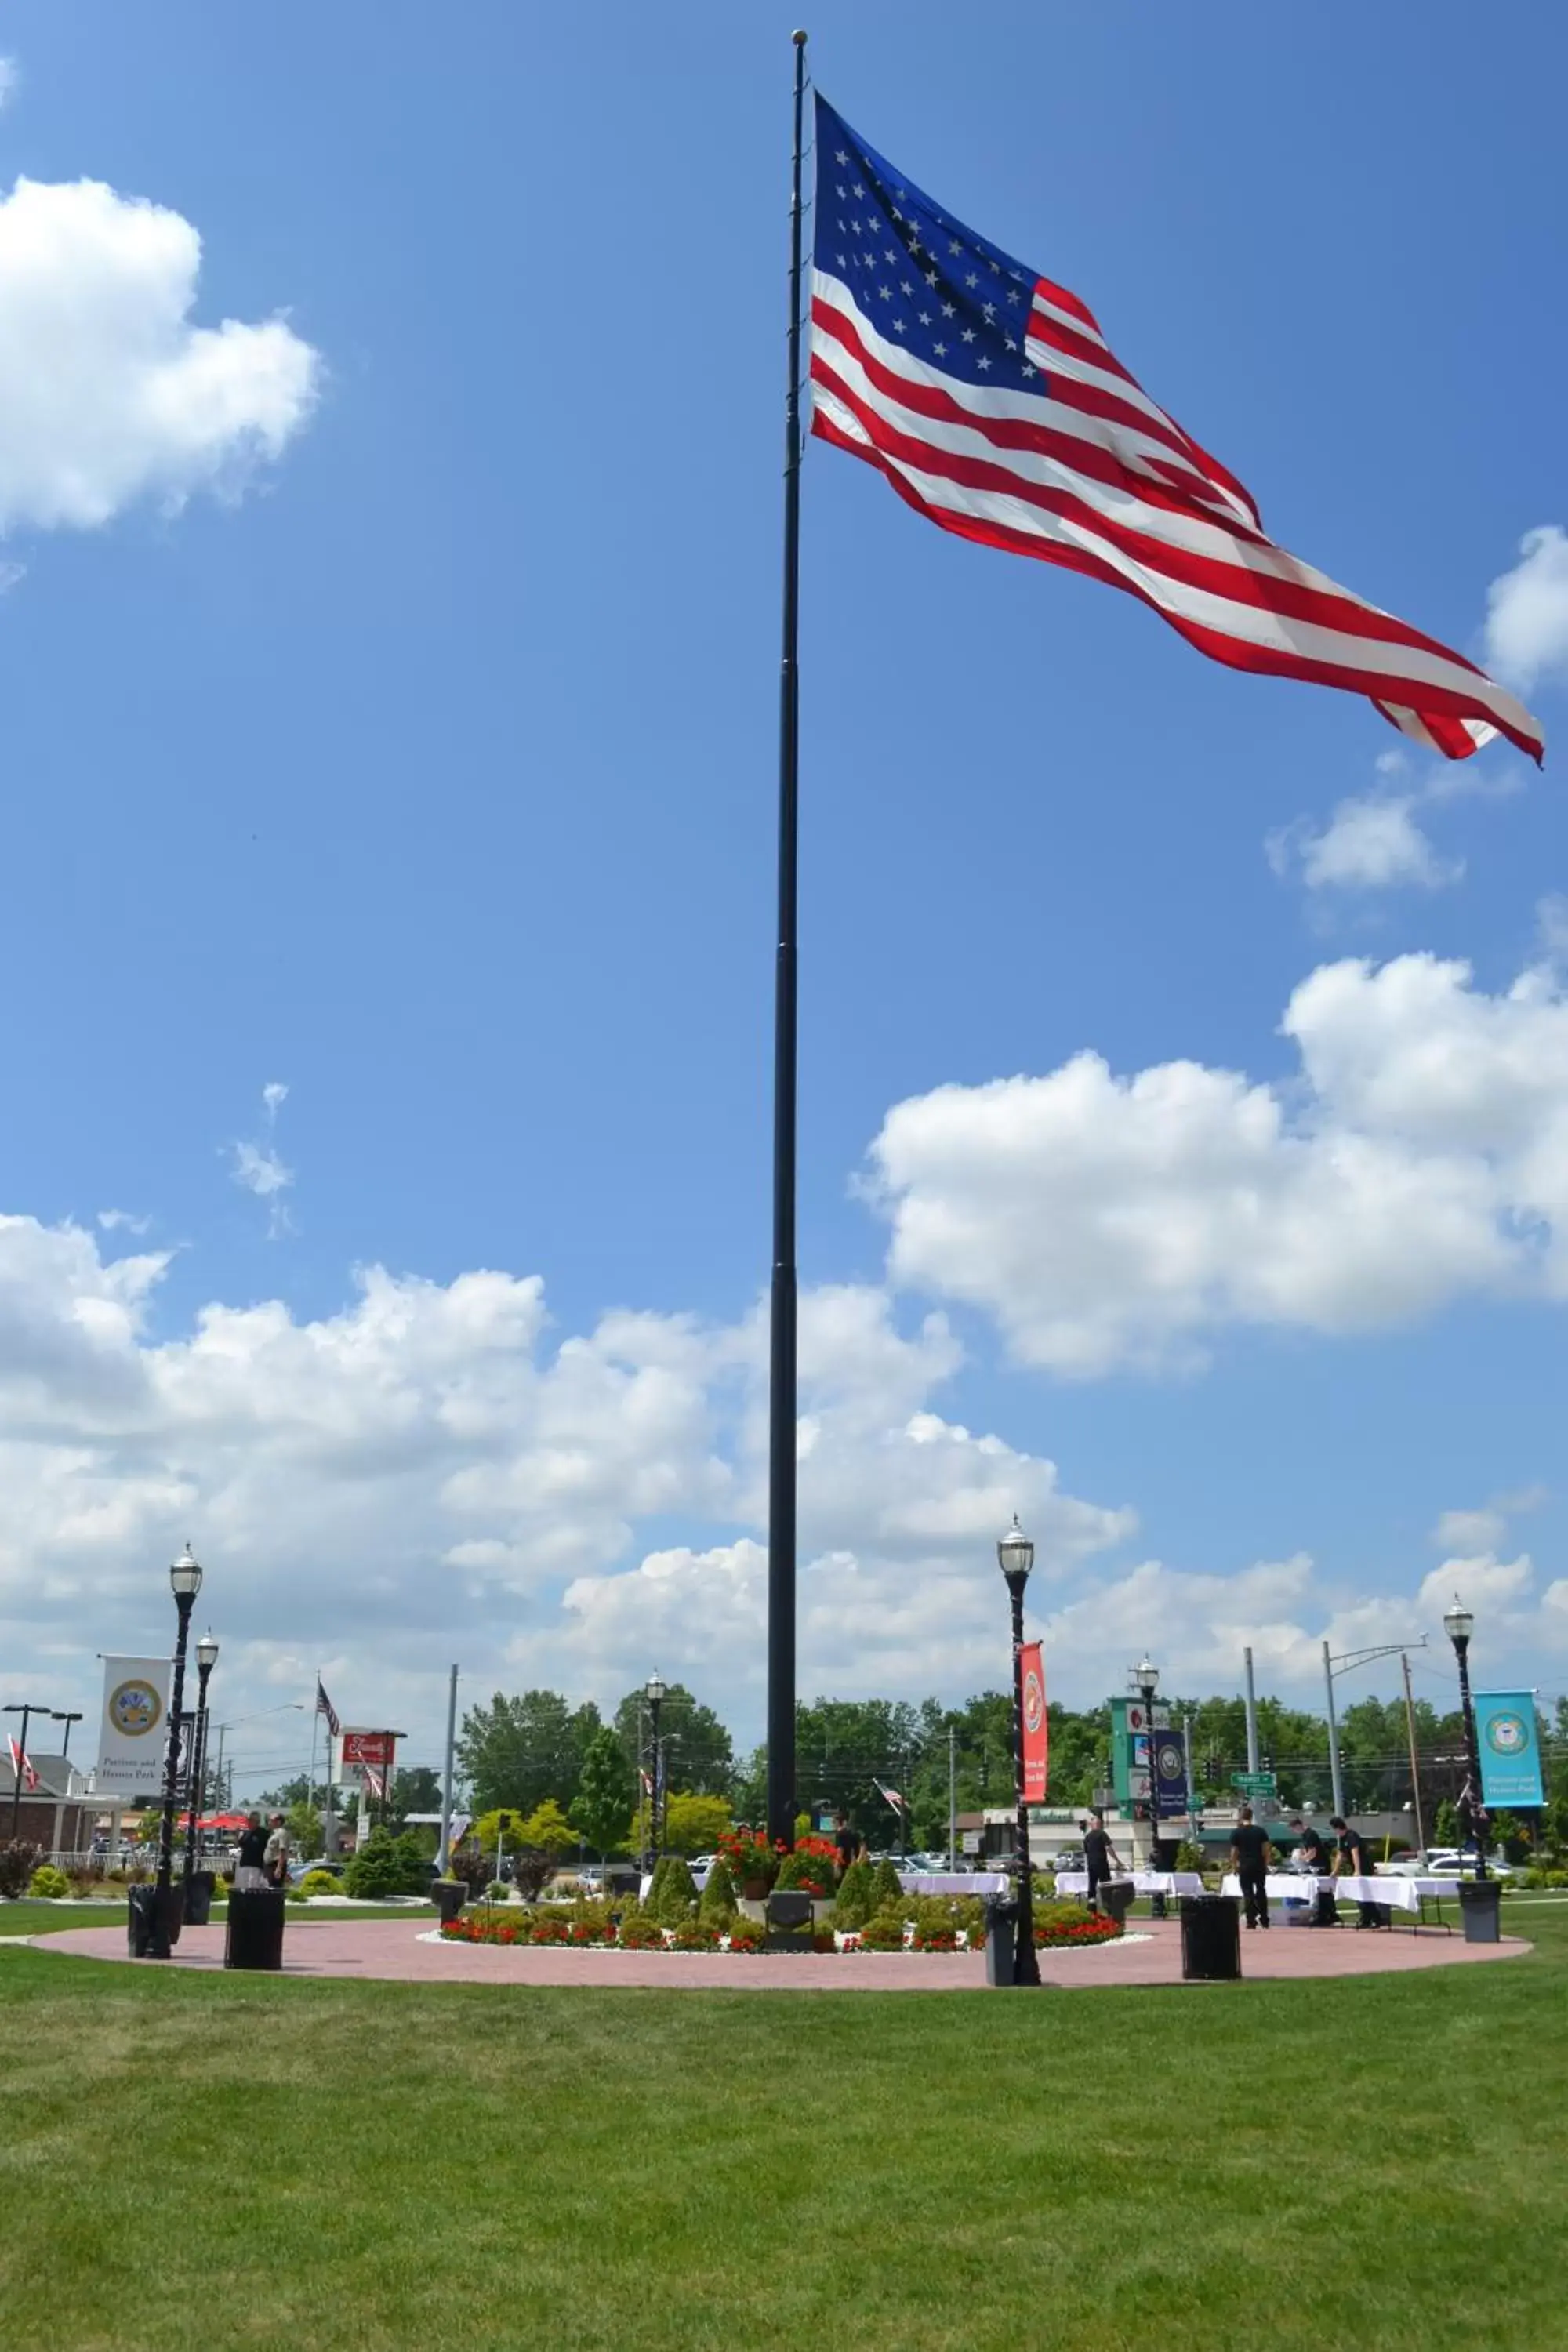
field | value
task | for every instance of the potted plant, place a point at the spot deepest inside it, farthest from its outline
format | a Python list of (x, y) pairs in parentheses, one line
[(754, 1860)]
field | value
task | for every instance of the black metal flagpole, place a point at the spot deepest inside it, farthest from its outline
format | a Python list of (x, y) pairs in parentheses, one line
[(781, 1363)]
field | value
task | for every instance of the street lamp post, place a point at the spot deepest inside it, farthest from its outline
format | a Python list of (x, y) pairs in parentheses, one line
[(26, 1709), (1146, 1681), (185, 1582), (1460, 1625), (653, 1691), (1015, 1556), (207, 1659)]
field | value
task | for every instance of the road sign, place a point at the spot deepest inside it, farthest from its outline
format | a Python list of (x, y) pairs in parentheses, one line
[(1261, 1787)]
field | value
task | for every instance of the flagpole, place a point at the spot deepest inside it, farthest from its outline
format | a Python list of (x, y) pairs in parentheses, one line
[(782, 1326)]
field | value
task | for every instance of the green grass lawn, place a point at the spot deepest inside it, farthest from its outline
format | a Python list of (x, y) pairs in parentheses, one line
[(255, 2162)]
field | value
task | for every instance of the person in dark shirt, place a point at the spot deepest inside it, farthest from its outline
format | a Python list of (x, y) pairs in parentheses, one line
[(1309, 1847), (1249, 1860), (1098, 1859), (849, 1841), (1353, 1859)]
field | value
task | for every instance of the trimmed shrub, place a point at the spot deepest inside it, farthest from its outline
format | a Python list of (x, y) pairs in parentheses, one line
[(856, 1897), (885, 1888), (885, 1932), (498, 1891), (640, 1933), (386, 1866), (745, 1934), (672, 1897), (696, 1936), (1189, 1856), (718, 1900), (321, 1881), (48, 1884), (19, 1860)]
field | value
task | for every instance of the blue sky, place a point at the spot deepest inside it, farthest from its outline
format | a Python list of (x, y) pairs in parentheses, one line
[(408, 742)]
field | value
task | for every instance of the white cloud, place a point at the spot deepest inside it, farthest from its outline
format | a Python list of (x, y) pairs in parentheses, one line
[(1551, 925), (1103, 1221), (1472, 1531), (8, 78), (122, 1221), (1527, 611), (429, 1470), (260, 1169), (1371, 843), (109, 393)]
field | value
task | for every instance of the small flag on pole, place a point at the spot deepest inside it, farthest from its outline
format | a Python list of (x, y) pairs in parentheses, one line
[(324, 1706), (22, 1766), (993, 404), (374, 1780), (891, 1796)]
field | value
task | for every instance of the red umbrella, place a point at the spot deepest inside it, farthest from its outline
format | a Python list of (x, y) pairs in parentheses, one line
[(224, 1822)]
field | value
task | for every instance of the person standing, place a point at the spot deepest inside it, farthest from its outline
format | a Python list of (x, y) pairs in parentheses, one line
[(1098, 1859), (851, 1845), (1353, 1859), (276, 1852), (1249, 1860), (248, 1873), (1311, 1859)]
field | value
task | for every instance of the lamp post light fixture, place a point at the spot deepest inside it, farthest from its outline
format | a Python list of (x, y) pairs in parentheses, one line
[(1015, 1558), (1145, 1679), (654, 1692), (196, 1764), (1460, 1625), (185, 1582)]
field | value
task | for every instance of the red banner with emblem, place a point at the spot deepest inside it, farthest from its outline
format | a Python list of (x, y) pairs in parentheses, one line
[(1032, 1667)]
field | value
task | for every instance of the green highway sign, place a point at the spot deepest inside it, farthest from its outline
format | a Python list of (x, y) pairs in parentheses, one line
[(1256, 1785)]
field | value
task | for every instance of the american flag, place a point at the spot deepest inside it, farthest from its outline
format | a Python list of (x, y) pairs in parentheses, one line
[(891, 1796), (324, 1706), (991, 401), (22, 1766)]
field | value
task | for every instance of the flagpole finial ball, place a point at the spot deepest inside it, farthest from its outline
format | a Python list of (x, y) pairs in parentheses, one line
[(798, 37)]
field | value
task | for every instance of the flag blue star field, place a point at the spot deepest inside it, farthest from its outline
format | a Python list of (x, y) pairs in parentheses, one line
[(991, 401)]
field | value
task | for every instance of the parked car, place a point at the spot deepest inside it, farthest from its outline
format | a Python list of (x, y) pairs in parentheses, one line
[(297, 1869)]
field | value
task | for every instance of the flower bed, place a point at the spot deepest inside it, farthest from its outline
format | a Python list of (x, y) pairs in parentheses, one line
[(1058, 1927)]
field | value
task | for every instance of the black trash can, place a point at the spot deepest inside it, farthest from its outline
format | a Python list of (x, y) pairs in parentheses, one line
[(1115, 1899), (1211, 1937), (1478, 1902), (199, 1897), (255, 1939), (1001, 1940), (153, 1926), (448, 1895)]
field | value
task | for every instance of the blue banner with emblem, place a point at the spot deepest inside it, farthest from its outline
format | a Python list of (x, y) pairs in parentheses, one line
[(1171, 1773), (1510, 1752)]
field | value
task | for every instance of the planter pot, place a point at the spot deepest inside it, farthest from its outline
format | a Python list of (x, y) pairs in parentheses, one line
[(754, 1890)]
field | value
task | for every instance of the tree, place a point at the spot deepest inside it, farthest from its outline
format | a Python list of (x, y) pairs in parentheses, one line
[(304, 1826), (548, 1830), (696, 1746), (518, 1751), (501, 1823), (602, 1806), (694, 1824), (415, 1789)]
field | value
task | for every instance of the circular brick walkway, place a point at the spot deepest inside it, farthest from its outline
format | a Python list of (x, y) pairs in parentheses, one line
[(393, 1950)]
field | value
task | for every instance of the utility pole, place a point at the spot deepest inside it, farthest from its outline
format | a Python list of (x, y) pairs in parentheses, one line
[(444, 1853), (1251, 1715), (1415, 1761), (952, 1796)]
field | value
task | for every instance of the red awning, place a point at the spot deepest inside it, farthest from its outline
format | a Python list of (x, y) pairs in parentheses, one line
[(223, 1821)]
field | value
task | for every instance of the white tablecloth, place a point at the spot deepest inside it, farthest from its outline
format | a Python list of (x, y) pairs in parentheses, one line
[(1144, 1882), (1401, 1893), (1286, 1886), (954, 1882)]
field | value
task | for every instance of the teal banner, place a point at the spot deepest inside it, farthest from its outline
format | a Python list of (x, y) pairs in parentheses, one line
[(1510, 1756)]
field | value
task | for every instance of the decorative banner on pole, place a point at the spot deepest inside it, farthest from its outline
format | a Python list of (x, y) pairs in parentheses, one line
[(1510, 1754), (134, 1728), (1171, 1773), (1037, 1731)]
